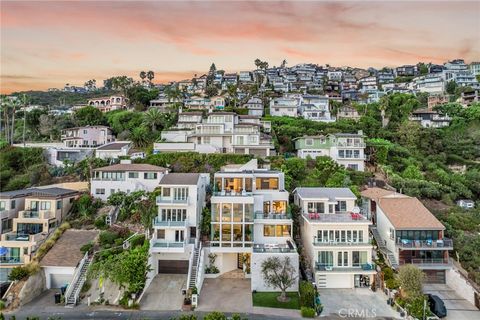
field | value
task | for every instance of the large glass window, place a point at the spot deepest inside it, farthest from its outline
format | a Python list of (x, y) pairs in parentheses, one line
[(2, 205), (218, 184), (269, 231), (248, 184), (359, 258), (238, 212), (226, 232), (341, 206), (215, 232), (226, 212), (248, 232), (215, 212), (234, 184), (45, 205), (325, 258), (237, 232), (279, 207), (248, 211), (267, 183)]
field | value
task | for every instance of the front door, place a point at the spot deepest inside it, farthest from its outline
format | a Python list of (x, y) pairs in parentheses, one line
[(179, 236)]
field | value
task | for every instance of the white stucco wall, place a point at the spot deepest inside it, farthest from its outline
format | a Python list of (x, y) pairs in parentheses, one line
[(256, 269), (56, 270), (460, 285)]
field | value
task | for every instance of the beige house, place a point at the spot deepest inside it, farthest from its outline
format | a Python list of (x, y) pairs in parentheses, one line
[(43, 212)]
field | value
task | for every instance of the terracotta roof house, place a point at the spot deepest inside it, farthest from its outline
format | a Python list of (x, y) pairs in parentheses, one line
[(408, 233)]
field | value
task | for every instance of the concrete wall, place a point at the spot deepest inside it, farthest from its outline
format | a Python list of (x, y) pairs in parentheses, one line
[(256, 269), (462, 287), (56, 270), (33, 287)]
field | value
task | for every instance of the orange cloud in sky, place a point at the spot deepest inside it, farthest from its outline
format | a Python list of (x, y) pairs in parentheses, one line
[(72, 41)]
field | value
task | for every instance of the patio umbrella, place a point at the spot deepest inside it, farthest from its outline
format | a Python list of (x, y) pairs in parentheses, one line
[(3, 251)]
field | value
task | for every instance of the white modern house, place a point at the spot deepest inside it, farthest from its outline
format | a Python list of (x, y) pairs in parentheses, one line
[(177, 226), (11, 202), (335, 237), (430, 83), (250, 221), (347, 149), (316, 108), (430, 119), (220, 132), (284, 106), (106, 104), (125, 177), (254, 106)]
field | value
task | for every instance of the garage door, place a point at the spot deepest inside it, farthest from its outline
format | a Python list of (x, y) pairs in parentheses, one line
[(59, 280), (339, 281), (435, 276), (173, 266)]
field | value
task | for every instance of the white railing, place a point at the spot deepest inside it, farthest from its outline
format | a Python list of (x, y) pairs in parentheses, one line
[(190, 266), (75, 278), (200, 271)]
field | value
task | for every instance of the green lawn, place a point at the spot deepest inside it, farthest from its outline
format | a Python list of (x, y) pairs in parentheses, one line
[(269, 299)]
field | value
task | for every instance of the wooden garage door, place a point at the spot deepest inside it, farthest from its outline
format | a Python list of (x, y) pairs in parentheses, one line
[(173, 266), (59, 280), (435, 276)]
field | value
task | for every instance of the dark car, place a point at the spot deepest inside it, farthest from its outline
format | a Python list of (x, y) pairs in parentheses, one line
[(437, 306)]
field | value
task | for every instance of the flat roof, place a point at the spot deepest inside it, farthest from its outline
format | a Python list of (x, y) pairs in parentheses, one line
[(66, 251), (180, 179), (131, 167), (330, 193), (114, 145)]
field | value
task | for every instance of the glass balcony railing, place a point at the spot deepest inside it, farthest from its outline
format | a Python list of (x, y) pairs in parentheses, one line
[(444, 243), (272, 215), (232, 193), (167, 244), (161, 199), (11, 260), (168, 223), (30, 214), (357, 268), (17, 237)]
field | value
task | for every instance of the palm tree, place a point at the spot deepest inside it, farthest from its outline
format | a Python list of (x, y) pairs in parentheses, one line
[(24, 103), (258, 63), (152, 118), (232, 93), (150, 76), (143, 75)]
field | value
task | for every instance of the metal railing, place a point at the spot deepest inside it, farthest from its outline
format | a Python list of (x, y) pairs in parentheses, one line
[(339, 243), (433, 261), (17, 237), (232, 193), (30, 214), (274, 216), (75, 278), (444, 243), (11, 260)]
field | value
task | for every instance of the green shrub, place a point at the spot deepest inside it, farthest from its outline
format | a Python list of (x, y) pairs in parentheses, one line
[(307, 294), (18, 273), (100, 223), (388, 273), (307, 312), (108, 237), (2, 304), (215, 315), (391, 283), (86, 247), (138, 240), (187, 317)]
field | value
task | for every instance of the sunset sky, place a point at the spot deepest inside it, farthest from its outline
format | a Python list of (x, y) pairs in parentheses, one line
[(47, 44)]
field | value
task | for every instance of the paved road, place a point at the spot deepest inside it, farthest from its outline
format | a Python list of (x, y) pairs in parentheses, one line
[(75, 314)]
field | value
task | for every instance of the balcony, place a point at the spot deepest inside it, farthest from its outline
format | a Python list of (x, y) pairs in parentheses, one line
[(157, 245), (272, 216), (161, 223), (351, 145), (340, 243), (30, 214), (345, 217), (444, 244), (434, 263), (171, 200), (287, 247), (11, 260), (232, 193), (366, 267), (16, 237)]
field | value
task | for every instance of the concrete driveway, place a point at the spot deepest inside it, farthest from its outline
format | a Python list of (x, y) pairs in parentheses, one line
[(232, 295), (235, 296), (164, 293), (457, 307), (356, 303)]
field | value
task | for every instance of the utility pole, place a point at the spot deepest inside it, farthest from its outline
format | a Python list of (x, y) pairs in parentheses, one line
[(24, 117)]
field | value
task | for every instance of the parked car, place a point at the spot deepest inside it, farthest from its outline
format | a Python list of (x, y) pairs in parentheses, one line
[(437, 306)]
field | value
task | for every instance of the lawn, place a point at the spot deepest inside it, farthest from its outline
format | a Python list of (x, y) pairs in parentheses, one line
[(269, 299)]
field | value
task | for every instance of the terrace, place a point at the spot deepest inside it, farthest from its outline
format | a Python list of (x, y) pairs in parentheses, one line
[(443, 244), (341, 217), (171, 200), (288, 247), (371, 267), (272, 215), (157, 222)]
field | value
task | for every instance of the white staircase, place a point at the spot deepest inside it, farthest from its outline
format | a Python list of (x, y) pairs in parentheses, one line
[(194, 267), (383, 249), (74, 288)]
